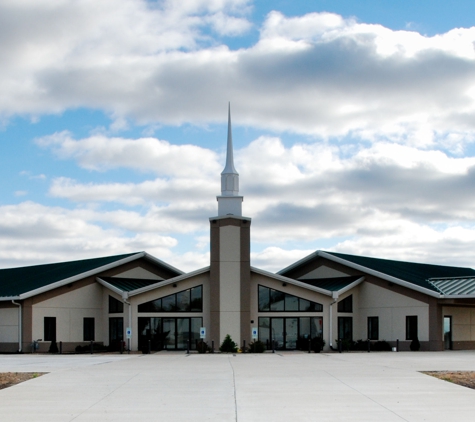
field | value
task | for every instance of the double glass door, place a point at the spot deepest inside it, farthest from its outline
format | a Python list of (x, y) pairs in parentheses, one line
[(285, 332), (168, 333), (289, 333)]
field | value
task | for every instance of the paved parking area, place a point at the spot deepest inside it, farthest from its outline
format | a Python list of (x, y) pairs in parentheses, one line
[(172, 386)]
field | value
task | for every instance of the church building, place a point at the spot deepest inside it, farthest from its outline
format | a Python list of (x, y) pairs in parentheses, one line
[(141, 301)]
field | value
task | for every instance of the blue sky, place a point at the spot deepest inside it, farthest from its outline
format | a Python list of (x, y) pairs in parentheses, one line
[(352, 124)]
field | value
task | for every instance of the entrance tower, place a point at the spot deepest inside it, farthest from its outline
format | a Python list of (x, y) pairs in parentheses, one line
[(230, 266)]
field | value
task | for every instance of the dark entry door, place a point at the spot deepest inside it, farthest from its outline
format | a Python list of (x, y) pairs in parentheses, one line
[(447, 332)]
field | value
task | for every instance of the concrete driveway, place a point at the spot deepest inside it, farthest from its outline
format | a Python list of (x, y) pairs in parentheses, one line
[(171, 386)]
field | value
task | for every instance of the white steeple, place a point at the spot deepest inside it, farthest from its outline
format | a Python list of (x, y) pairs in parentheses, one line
[(229, 203), (229, 176)]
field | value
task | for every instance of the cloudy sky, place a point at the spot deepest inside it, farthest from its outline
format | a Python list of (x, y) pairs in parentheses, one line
[(353, 125)]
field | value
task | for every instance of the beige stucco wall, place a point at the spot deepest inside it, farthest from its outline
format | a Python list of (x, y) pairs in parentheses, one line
[(230, 283), (70, 309), (392, 309), (9, 325), (463, 322), (200, 279)]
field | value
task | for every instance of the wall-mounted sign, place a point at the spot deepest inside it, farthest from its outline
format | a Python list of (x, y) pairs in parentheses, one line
[(203, 332)]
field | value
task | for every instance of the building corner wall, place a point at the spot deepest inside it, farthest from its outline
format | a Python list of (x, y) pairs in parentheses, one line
[(230, 274)]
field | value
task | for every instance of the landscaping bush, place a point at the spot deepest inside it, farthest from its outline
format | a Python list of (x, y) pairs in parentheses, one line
[(96, 348), (415, 345), (317, 344), (53, 347), (202, 346), (257, 347), (346, 345), (228, 345), (381, 346)]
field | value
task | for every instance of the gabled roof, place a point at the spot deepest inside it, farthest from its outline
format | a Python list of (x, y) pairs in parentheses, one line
[(23, 282), (410, 274)]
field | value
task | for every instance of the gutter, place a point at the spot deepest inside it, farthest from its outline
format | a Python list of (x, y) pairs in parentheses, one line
[(335, 299), (335, 296), (20, 327), (125, 299)]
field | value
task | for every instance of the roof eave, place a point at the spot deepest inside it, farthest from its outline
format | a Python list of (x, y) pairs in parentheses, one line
[(291, 281), (469, 296), (378, 274), (110, 286), (9, 298), (350, 286)]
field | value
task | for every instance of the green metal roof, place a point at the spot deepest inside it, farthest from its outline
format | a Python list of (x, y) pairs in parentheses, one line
[(412, 272), (16, 281), (129, 284), (454, 285), (331, 284)]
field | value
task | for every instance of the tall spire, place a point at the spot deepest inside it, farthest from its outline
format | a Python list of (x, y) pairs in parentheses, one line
[(229, 169), (229, 202), (229, 176)]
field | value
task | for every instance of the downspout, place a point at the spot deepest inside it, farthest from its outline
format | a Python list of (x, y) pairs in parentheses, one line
[(125, 299), (20, 322), (335, 299)]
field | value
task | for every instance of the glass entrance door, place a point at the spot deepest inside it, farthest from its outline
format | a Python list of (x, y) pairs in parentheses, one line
[(447, 332), (169, 333), (291, 333), (182, 332), (277, 331)]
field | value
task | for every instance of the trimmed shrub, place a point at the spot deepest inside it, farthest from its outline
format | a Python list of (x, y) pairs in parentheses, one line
[(228, 345), (317, 344), (53, 347), (202, 346), (415, 345), (381, 346), (257, 347)]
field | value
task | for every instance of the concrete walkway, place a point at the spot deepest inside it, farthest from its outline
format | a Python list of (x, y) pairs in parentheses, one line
[(171, 386)]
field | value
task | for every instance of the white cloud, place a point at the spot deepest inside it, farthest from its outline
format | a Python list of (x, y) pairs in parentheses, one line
[(99, 152), (366, 197), (317, 74)]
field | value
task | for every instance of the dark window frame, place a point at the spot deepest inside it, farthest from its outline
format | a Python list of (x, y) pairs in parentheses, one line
[(346, 305), (195, 302), (115, 305), (89, 329), (412, 327), (264, 292), (343, 323), (49, 329), (373, 328)]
